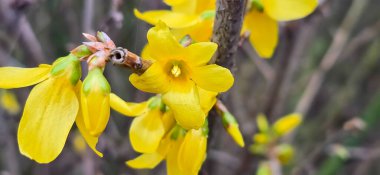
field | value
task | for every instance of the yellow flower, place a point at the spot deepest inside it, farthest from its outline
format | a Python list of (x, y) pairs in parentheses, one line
[(53, 106), (178, 72), (269, 136), (147, 130), (187, 17), (50, 109), (184, 152), (261, 21)]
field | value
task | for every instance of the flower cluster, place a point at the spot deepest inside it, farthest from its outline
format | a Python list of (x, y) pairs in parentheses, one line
[(60, 98), (172, 125), (267, 142), (195, 18)]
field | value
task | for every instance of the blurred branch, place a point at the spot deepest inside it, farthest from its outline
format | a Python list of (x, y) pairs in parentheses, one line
[(226, 33), (88, 16), (339, 42), (265, 69), (19, 28)]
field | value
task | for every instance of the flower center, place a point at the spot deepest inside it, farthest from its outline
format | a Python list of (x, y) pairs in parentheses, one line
[(176, 71)]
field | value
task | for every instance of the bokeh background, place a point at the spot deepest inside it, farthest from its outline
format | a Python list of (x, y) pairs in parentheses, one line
[(327, 67)]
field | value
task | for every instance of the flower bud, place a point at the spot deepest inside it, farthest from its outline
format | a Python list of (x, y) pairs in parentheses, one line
[(95, 100), (67, 67), (232, 127)]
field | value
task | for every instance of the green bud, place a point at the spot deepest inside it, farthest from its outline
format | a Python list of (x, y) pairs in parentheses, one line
[(96, 80), (205, 129), (68, 66), (177, 132), (154, 103), (258, 5), (81, 51), (264, 169), (228, 119), (209, 14)]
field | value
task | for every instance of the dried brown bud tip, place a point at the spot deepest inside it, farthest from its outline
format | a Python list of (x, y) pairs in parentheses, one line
[(121, 56)]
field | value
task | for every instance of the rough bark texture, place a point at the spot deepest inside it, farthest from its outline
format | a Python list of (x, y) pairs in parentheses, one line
[(227, 27), (226, 33)]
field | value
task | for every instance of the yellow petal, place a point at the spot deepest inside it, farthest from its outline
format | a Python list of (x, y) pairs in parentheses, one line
[(49, 114), (14, 77), (213, 78), (261, 138), (206, 26), (149, 161), (285, 153), (172, 160), (153, 80), (284, 10), (287, 123), (145, 53), (192, 152), (264, 33), (234, 131), (183, 100), (163, 45), (168, 120), (147, 131), (91, 140), (171, 18), (199, 54), (207, 99), (127, 108), (96, 112), (174, 2), (183, 6), (262, 123)]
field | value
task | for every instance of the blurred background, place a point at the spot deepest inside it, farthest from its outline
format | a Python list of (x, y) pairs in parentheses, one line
[(326, 67)]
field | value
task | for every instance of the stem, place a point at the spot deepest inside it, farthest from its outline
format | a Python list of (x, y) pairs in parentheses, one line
[(226, 33)]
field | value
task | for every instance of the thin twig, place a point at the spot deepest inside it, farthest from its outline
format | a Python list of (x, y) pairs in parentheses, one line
[(226, 33), (265, 69), (19, 28), (339, 42)]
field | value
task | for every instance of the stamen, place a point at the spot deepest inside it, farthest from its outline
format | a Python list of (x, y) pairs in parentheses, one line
[(176, 71)]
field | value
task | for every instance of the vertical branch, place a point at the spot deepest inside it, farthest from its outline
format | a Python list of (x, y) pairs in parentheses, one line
[(19, 29), (88, 16), (226, 33)]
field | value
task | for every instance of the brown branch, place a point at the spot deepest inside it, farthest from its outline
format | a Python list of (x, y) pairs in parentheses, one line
[(19, 28), (226, 32), (88, 16)]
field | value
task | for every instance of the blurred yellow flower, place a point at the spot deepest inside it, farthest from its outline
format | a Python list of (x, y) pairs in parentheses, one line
[(186, 17), (179, 72), (9, 102), (262, 17), (267, 139)]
